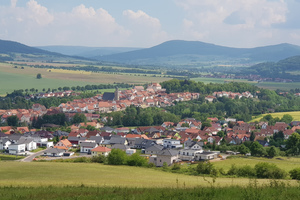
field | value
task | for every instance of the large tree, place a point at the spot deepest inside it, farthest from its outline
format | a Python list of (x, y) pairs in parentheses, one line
[(12, 120)]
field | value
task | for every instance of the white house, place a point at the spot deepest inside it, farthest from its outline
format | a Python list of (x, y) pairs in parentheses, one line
[(30, 144), (16, 148), (188, 154), (4, 143), (166, 156), (86, 147), (54, 152), (43, 142), (170, 143), (130, 151), (205, 155)]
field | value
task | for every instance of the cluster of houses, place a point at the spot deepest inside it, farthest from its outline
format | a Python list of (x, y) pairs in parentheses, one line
[(167, 143), (154, 95), (49, 94)]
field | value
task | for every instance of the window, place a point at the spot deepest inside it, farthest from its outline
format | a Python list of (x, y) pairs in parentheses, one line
[(183, 153), (187, 153)]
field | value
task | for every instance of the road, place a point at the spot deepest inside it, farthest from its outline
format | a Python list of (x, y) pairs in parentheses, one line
[(32, 156)]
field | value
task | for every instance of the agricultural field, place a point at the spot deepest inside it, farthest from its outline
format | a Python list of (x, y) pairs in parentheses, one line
[(295, 115), (43, 174), (266, 85), (280, 86), (12, 78), (284, 163)]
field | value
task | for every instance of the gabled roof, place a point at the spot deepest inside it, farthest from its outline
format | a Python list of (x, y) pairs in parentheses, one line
[(168, 152), (88, 144), (120, 146), (155, 148), (54, 150), (108, 96), (101, 149), (117, 140)]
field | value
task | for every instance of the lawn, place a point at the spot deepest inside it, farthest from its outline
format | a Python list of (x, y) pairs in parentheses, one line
[(295, 115), (37, 174), (10, 157), (284, 163)]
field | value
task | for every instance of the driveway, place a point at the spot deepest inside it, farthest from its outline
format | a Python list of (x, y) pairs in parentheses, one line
[(32, 156)]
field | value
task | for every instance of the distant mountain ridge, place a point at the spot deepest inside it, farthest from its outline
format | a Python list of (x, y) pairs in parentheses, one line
[(88, 52), (191, 51), (9, 49), (7, 46)]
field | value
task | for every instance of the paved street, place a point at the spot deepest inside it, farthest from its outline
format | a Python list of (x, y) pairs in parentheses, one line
[(32, 156)]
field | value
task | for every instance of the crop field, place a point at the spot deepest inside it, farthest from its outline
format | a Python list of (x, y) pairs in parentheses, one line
[(17, 78), (221, 80), (280, 86), (36, 174), (266, 85), (295, 115), (284, 163)]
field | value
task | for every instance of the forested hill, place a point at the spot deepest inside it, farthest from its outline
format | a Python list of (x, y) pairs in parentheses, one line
[(196, 51), (10, 50), (7, 47), (286, 69)]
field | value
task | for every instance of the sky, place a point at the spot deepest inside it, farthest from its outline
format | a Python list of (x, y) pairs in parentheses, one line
[(146, 23)]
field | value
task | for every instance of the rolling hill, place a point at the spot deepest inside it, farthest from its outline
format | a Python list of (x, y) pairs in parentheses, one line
[(10, 50), (195, 52), (87, 52), (288, 68)]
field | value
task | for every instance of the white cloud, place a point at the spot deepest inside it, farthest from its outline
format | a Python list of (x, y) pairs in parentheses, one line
[(13, 3), (35, 25), (39, 13), (235, 22), (146, 30)]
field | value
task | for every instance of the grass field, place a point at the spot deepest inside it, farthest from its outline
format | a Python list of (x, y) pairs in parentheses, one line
[(295, 115), (266, 85), (275, 190), (36, 174), (284, 163), (16, 78), (10, 157)]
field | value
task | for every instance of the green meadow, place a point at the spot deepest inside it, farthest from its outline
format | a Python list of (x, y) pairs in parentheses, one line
[(37, 174), (294, 114), (285, 163), (10, 82), (54, 180)]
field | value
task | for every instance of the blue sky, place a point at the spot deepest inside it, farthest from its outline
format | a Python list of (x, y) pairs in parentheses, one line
[(145, 23)]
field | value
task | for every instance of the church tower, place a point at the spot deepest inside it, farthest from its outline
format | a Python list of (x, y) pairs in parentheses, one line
[(117, 97)]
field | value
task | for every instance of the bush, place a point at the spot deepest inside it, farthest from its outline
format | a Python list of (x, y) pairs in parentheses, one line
[(205, 168), (243, 171), (176, 167), (266, 170), (295, 173), (117, 157), (136, 160), (99, 159)]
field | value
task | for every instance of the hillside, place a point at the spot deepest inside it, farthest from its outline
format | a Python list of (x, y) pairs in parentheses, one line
[(288, 68), (87, 52), (10, 50), (199, 52)]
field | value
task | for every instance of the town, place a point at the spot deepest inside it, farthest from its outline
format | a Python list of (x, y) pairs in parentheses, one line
[(168, 143)]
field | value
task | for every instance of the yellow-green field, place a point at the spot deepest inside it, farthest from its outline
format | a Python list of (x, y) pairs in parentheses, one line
[(16, 78), (284, 163), (37, 174), (295, 115)]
